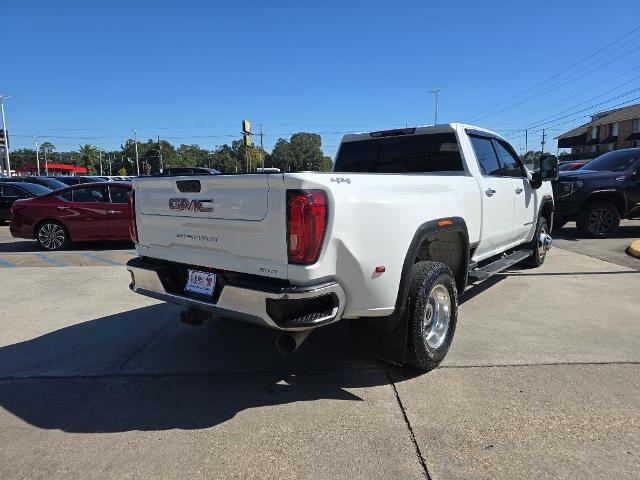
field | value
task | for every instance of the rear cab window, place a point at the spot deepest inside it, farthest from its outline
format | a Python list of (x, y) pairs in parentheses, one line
[(421, 153)]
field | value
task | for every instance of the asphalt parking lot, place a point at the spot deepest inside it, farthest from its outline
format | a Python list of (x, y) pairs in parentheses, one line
[(542, 381)]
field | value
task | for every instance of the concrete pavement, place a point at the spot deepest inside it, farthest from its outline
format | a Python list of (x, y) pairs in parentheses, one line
[(609, 249), (541, 382)]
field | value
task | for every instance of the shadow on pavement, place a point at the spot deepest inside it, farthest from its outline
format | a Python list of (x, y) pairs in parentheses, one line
[(571, 233), (142, 370), (25, 246)]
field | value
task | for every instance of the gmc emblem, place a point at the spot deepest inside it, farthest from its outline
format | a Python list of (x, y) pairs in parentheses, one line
[(195, 205)]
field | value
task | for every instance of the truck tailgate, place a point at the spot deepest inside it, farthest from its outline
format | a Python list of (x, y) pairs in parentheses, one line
[(234, 222)]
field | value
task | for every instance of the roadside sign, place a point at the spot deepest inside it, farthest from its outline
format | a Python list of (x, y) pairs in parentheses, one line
[(246, 126), (4, 138)]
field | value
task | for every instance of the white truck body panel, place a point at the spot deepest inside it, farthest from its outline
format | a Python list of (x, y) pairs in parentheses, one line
[(372, 219)]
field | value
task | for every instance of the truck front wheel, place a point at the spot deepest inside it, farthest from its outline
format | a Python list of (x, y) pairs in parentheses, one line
[(598, 219), (432, 315)]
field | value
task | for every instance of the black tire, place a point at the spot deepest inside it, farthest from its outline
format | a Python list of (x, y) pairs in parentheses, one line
[(539, 252), (598, 219), (427, 286), (52, 235)]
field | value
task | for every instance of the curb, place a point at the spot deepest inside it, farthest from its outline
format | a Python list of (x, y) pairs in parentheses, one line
[(634, 249)]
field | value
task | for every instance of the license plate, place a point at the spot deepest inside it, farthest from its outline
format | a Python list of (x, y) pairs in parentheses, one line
[(202, 283)]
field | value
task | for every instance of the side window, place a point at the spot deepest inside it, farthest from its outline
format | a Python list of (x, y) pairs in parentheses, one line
[(486, 156), (119, 194), (11, 191), (510, 163), (89, 195), (66, 195)]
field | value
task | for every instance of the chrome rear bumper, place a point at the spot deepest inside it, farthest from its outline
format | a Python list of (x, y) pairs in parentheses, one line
[(288, 309)]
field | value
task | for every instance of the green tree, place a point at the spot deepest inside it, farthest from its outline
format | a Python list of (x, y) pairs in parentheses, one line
[(88, 157), (326, 165), (23, 156), (302, 152), (531, 159), (281, 156)]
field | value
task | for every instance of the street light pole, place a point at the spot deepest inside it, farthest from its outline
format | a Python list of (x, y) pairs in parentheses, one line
[(35, 139), (436, 93), (6, 137), (135, 136)]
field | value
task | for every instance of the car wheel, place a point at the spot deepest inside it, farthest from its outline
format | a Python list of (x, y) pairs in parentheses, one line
[(52, 236), (432, 315), (598, 219), (540, 244)]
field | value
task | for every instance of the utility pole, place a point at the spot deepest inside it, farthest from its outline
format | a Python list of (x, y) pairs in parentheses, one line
[(109, 160), (7, 163), (46, 162), (135, 137), (160, 154), (100, 159), (543, 141), (436, 93), (526, 140), (261, 148), (35, 139)]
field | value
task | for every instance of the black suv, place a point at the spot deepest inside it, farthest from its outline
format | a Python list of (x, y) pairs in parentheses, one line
[(599, 194)]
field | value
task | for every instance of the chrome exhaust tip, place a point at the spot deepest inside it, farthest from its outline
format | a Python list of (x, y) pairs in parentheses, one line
[(289, 342)]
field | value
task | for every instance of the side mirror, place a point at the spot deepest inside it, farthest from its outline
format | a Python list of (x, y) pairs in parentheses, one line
[(548, 167)]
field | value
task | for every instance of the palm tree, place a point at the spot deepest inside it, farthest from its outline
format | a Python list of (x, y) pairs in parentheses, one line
[(88, 154)]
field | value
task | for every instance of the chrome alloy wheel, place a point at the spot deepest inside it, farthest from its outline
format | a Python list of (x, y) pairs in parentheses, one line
[(544, 242), (51, 235), (600, 220), (437, 316)]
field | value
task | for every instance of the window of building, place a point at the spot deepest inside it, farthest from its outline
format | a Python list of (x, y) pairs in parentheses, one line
[(594, 133), (614, 130), (636, 125), (611, 146), (635, 144), (593, 148)]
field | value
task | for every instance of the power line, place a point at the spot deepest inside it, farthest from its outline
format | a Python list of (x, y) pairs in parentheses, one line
[(587, 90), (556, 75), (556, 86)]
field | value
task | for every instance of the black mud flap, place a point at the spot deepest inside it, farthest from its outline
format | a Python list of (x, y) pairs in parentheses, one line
[(384, 338)]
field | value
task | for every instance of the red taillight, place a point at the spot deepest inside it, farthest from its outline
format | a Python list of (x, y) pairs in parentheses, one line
[(306, 223), (133, 230)]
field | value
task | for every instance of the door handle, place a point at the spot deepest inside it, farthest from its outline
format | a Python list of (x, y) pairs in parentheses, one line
[(518, 190), (62, 207), (114, 212), (490, 192)]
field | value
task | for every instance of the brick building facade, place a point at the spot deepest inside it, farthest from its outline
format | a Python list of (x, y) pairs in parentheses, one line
[(606, 131)]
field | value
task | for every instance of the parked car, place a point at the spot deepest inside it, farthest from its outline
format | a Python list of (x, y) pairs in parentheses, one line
[(569, 166), (89, 211), (190, 171), (387, 240), (74, 180), (599, 194), (48, 182), (10, 192)]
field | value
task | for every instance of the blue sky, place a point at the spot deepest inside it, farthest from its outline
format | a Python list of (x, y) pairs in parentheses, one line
[(190, 71)]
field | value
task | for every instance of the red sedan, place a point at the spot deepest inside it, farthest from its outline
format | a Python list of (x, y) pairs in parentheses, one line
[(88, 211)]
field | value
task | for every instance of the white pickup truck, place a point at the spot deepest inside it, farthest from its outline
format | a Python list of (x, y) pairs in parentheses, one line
[(387, 240)]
